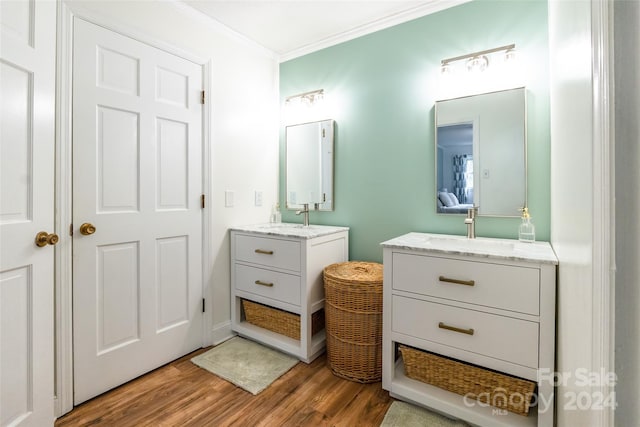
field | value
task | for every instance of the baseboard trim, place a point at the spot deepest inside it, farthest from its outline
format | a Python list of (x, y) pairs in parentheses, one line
[(222, 332)]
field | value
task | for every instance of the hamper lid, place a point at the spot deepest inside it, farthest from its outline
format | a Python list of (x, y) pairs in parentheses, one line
[(355, 272)]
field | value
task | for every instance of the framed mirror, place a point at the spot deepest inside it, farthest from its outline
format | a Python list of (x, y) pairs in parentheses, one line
[(309, 165), (481, 160)]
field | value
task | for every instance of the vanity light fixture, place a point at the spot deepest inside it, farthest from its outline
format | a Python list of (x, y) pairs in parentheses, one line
[(478, 61), (306, 98), (510, 54), (445, 69)]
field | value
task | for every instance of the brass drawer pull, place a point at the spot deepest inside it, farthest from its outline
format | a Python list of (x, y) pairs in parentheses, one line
[(454, 329), (457, 281), (261, 283), (264, 252)]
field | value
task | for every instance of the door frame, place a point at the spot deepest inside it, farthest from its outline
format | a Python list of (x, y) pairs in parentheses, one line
[(63, 278)]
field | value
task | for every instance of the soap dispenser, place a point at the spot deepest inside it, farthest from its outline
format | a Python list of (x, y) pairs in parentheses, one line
[(527, 231), (276, 216)]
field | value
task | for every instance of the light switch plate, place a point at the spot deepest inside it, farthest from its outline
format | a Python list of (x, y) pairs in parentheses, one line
[(228, 198), (258, 198)]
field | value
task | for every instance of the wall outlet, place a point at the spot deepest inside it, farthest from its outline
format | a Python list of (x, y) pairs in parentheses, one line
[(228, 198), (258, 198)]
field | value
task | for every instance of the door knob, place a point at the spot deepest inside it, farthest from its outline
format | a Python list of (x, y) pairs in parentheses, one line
[(43, 239), (87, 229)]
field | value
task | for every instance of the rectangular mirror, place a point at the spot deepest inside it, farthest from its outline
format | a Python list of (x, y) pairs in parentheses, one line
[(309, 165), (481, 151)]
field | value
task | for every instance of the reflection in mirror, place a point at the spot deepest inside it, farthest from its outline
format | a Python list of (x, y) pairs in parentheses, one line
[(455, 168), (309, 165), (481, 153)]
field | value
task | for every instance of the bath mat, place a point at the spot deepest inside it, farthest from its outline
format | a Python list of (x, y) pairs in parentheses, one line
[(401, 414), (245, 363)]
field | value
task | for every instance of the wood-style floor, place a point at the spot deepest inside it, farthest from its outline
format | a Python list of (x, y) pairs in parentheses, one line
[(182, 394)]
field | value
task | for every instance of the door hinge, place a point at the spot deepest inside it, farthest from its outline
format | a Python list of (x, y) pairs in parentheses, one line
[(324, 134), (202, 201), (70, 229), (203, 305), (202, 98)]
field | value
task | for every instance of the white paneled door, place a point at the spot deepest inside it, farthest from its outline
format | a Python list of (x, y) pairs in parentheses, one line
[(137, 220), (27, 138)]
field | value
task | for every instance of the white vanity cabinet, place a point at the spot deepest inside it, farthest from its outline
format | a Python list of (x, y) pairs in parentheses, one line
[(281, 265), (486, 302)]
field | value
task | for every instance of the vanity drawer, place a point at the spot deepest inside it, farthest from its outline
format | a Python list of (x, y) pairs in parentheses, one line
[(272, 284), (269, 252), (494, 285), (500, 337)]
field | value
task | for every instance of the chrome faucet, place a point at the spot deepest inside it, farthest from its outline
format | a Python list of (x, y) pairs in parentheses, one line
[(305, 211), (470, 220)]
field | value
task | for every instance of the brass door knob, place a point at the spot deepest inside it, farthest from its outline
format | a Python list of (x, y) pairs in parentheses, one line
[(43, 239), (87, 229)]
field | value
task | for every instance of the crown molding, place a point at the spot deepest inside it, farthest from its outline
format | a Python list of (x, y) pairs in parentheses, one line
[(221, 28), (380, 24)]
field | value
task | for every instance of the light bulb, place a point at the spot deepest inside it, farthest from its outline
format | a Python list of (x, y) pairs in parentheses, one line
[(477, 63), (510, 55)]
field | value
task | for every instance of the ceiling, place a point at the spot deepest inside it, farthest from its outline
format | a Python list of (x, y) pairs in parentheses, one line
[(455, 135), (291, 28)]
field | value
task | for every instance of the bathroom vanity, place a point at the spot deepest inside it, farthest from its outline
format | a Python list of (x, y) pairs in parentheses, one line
[(486, 302), (280, 266)]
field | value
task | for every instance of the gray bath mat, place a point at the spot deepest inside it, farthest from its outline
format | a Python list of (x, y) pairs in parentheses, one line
[(401, 414), (245, 363)]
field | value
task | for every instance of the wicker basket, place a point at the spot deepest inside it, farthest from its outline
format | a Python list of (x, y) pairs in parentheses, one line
[(493, 388), (353, 304), (280, 321)]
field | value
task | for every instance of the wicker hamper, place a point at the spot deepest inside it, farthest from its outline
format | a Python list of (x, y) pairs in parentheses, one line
[(353, 306), (493, 388), (279, 321)]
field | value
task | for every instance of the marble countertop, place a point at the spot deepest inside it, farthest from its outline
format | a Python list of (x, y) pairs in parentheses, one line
[(504, 249), (290, 230)]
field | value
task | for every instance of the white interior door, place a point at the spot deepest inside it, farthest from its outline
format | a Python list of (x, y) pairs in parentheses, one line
[(137, 162), (27, 102)]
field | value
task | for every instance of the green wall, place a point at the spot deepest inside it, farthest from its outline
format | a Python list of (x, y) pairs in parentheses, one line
[(385, 85)]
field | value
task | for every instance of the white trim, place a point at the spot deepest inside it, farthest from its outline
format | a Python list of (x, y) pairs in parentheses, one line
[(221, 28), (372, 27), (63, 216), (380, 24), (67, 12), (79, 11), (602, 339), (207, 214), (221, 332)]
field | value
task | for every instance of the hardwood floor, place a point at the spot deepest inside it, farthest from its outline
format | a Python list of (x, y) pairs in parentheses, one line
[(182, 394)]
